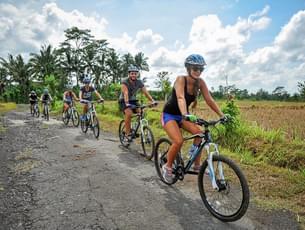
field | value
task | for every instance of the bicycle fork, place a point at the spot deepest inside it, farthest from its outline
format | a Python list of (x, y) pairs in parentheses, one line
[(211, 167)]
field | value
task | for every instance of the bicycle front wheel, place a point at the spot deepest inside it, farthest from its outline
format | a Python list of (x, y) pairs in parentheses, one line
[(36, 111), (47, 112), (122, 134), (148, 142), (65, 117), (231, 201), (84, 125), (75, 118), (95, 126)]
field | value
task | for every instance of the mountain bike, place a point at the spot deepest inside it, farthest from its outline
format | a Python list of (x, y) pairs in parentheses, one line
[(35, 110), (222, 185), (46, 109), (91, 120), (71, 113), (139, 123)]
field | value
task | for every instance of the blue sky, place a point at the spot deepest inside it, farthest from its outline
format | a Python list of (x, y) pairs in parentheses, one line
[(257, 44)]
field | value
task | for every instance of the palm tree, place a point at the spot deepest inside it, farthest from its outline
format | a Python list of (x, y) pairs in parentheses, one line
[(20, 74), (141, 61), (45, 63), (127, 60), (114, 65), (94, 55), (76, 41)]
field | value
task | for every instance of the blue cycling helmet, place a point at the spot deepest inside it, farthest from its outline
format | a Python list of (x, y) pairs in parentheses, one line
[(133, 68), (45, 91), (87, 79), (194, 59)]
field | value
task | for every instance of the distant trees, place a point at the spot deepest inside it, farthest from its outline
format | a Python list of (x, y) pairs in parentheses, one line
[(163, 84), (77, 54), (301, 88), (80, 52)]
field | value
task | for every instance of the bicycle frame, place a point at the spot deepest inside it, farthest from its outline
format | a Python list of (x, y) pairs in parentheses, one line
[(141, 121), (206, 143)]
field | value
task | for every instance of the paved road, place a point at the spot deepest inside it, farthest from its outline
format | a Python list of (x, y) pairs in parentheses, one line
[(55, 177)]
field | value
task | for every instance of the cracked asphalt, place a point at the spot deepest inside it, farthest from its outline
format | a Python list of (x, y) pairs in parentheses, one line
[(56, 177)]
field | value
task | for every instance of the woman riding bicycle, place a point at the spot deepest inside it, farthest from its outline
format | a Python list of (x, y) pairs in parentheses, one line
[(85, 93), (176, 110), (68, 97), (127, 100)]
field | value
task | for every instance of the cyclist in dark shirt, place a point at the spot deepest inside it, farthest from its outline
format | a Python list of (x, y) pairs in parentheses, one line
[(45, 98), (127, 100), (33, 98)]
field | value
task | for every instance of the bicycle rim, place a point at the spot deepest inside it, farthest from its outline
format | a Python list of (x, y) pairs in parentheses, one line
[(84, 126), (122, 134), (75, 118), (95, 126), (147, 142), (230, 203), (65, 117)]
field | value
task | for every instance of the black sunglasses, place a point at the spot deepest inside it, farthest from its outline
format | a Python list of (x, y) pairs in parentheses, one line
[(197, 68)]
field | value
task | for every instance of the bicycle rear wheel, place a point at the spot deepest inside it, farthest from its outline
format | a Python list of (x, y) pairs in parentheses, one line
[(95, 126), (75, 118), (231, 201), (147, 142), (65, 117), (122, 134), (160, 158)]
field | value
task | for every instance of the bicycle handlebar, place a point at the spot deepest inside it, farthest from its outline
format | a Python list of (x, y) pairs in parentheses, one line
[(144, 106), (92, 102), (205, 123)]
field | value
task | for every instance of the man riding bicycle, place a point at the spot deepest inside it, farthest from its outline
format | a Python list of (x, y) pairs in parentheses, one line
[(68, 97), (176, 110), (127, 100), (45, 98), (85, 93), (33, 99)]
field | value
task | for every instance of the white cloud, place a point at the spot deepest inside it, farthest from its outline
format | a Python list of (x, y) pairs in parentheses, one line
[(24, 30)]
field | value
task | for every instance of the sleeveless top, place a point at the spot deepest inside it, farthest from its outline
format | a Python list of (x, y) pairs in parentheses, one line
[(171, 105)]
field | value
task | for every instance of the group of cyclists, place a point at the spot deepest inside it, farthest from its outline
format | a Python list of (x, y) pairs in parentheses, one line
[(175, 114)]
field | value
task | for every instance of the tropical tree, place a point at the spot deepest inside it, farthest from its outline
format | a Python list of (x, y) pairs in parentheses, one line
[(95, 54), (114, 65), (163, 83), (141, 61), (20, 73), (44, 63), (301, 88), (127, 60), (76, 41)]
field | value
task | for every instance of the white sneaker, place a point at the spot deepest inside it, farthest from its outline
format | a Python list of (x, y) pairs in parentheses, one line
[(167, 174)]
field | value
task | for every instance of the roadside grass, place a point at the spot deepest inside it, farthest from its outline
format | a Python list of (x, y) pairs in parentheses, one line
[(274, 165), (4, 108)]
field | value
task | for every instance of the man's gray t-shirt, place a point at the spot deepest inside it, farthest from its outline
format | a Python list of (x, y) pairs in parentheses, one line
[(133, 88)]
